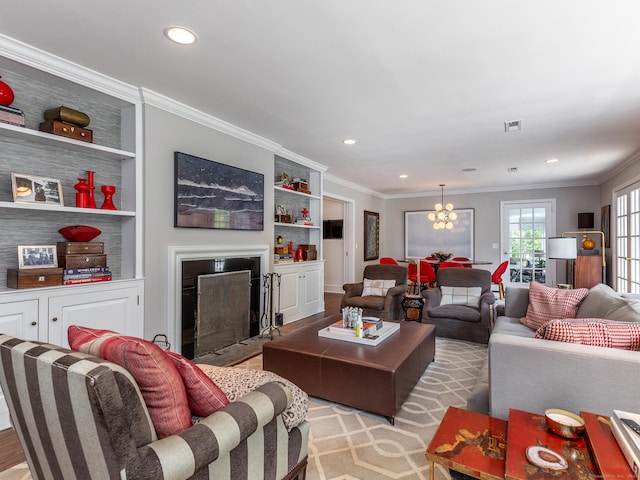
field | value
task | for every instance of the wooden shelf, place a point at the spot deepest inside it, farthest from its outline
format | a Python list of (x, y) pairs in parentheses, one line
[(55, 208)]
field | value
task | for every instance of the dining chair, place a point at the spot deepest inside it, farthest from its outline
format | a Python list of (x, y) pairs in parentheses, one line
[(427, 276), (462, 259), (496, 277), (450, 264), (388, 261)]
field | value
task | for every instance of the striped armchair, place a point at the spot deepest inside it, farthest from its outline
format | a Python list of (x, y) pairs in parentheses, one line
[(78, 416)]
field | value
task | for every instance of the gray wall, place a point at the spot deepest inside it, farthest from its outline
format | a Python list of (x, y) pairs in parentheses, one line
[(164, 134), (569, 202)]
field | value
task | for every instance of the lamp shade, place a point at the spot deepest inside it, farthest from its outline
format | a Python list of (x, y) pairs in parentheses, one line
[(562, 248), (585, 221)]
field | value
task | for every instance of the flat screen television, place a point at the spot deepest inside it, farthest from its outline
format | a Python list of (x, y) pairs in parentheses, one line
[(331, 229)]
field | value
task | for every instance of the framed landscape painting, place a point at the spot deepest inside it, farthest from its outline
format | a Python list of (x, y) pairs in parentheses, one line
[(371, 235), (421, 239), (214, 195)]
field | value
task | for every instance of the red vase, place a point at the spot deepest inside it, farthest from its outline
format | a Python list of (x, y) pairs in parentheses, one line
[(108, 191), (6, 94), (91, 203), (82, 197)]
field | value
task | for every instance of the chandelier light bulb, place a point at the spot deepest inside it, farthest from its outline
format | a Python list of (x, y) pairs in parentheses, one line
[(453, 216), (449, 207), (449, 225), (441, 215), (438, 207), (431, 216)]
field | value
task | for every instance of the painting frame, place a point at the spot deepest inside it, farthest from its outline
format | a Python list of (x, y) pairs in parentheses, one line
[(37, 256), (371, 235), (421, 239), (28, 188), (214, 195), (605, 225)]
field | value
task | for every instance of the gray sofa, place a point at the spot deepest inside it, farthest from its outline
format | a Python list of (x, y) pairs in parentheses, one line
[(533, 374)]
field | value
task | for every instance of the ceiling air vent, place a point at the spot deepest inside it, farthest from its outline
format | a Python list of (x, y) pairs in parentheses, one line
[(513, 126), (512, 169)]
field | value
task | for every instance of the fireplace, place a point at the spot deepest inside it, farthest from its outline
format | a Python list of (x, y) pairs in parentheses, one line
[(189, 264), (216, 310)]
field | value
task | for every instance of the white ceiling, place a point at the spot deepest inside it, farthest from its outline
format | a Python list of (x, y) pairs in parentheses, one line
[(424, 86)]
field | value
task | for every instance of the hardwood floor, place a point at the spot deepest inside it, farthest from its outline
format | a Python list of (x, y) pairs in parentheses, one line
[(11, 452)]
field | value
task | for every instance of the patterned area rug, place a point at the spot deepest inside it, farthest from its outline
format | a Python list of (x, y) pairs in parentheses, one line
[(349, 444)]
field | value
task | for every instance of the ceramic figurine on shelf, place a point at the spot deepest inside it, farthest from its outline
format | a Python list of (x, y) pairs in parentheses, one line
[(6, 94), (91, 203), (82, 197)]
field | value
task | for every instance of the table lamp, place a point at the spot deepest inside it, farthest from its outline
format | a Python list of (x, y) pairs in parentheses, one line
[(563, 248)]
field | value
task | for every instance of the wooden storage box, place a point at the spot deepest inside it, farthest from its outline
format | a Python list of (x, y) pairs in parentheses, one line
[(309, 252), (67, 130), (34, 277), (68, 248), (284, 218), (301, 186), (82, 261), (281, 250)]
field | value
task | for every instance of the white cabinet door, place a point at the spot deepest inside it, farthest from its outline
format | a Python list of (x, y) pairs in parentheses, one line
[(289, 293), (18, 319), (313, 289), (114, 309)]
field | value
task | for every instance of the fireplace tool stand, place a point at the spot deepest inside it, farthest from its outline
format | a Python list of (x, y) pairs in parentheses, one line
[(267, 320)]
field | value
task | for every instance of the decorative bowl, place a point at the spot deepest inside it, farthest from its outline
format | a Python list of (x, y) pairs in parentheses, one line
[(564, 423), (79, 233), (442, 256)]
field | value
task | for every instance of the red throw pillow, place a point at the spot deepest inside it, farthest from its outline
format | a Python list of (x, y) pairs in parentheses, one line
[(204, 396), (79, 233), (546, 303), (593, 331), (156, 374)]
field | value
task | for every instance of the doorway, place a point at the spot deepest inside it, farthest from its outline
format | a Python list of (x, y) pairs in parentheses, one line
[(339, 262), (525, 227)]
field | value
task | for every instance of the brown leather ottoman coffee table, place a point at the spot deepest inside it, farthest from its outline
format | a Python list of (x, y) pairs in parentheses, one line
[(377, 378)]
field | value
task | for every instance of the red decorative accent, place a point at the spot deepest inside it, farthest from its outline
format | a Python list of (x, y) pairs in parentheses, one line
[(305, 212), (79, 233), (82, 197), (299, 255), (108, 191), (6, 94), (91, 203)]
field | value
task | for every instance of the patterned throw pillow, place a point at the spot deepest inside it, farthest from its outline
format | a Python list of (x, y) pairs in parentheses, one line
[(204, 396), (158, 378), (593, 331), (546, 303), (377, 288), (469, 296)]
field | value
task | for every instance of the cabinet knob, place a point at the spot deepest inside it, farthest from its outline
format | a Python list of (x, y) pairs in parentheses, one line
[(33, 324), (54, 319)]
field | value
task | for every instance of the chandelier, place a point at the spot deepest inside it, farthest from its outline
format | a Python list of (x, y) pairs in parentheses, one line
[(444, 215)]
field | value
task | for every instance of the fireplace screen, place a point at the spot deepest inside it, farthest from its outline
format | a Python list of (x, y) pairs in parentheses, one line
[(222, 316)]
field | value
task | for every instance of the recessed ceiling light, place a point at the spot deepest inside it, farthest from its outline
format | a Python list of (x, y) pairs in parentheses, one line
[(470, 169), (404, 175), (180, 35), (348, 141), (552, 160)]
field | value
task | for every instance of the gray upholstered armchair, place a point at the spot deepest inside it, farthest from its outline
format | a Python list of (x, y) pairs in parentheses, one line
[(79, 416), (385, 304), (461, 305)]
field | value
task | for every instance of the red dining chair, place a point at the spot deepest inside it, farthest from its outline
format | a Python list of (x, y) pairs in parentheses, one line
[(462, 259), (496, 277), (449, 264), (388, 261), (427, 275)]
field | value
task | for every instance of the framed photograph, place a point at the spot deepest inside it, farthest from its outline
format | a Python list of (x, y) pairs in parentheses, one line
[(371, 235), (32, 189), (37, 256), (280, 210), (214, 195), (605, 224), (421, 239)]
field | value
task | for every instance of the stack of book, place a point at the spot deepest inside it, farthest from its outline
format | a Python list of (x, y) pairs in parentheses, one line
[(622, 427), (73, 276), (338, 327), (11, 115)]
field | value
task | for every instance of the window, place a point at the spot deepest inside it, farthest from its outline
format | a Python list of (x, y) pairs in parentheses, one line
[(628, 239)]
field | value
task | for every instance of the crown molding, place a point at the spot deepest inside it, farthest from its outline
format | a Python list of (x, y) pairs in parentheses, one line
[(49, 63), (622, 167), (353, 186), (283, 152)]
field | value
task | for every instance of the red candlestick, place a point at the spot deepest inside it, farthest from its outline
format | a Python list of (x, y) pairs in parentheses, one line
[(91, 203)]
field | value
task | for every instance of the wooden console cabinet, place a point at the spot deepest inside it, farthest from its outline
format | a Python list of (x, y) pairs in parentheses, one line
[(587, 271)]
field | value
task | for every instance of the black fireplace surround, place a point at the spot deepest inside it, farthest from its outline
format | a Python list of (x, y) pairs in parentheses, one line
[(190, 271)]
